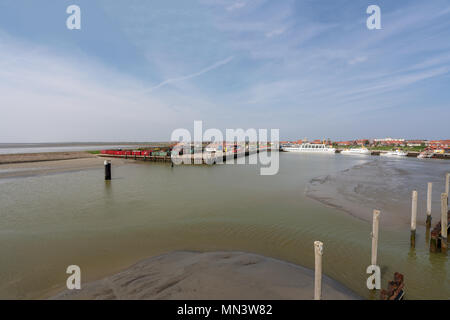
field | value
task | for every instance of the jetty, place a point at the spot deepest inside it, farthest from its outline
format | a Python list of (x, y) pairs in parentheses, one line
[(192, 154)]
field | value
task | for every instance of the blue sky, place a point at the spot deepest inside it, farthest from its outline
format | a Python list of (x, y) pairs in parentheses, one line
[(139, 69)]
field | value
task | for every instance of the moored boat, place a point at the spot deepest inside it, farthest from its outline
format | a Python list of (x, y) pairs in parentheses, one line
[(357, 151), (426, 154), (309, 147), (396, 153)]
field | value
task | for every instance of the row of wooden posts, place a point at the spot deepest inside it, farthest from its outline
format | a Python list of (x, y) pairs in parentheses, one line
[(444, 213), (318, 246)]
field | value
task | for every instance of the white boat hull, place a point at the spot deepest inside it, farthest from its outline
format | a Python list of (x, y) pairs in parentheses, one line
[(304, 150), (356, 152), (394, 154)]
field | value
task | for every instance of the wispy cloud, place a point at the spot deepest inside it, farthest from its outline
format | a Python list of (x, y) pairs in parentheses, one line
[(236, 5), (357, 60), (275, 32), (193, 75)]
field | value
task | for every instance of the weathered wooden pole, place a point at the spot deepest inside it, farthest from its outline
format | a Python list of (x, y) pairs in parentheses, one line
[(444, 221), (107, 164), (430, 188), (413, 218), (318, 250), (447, 183), (376, 222)]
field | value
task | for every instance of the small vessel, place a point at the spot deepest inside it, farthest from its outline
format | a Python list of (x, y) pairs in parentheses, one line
[(309, 147), (357, 151), (426, 154), (396, 153)]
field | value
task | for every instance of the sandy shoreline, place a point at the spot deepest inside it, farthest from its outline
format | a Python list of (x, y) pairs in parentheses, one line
[(26, 165), (43, 156), (209, 275)]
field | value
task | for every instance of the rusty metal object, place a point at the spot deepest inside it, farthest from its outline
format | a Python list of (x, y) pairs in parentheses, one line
[(395, 289), (436, 237)]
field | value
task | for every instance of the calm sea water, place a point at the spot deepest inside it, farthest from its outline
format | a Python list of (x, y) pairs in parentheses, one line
[(50, 222)]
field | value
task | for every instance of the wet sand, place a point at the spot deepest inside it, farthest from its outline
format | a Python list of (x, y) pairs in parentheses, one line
[(43, 156), (28, 164), (381, 184), (210, 275)]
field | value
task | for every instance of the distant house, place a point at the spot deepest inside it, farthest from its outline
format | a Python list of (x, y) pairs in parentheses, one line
[(390, 142), (362, 142), (415, 143), (344, 143), (438, 144)]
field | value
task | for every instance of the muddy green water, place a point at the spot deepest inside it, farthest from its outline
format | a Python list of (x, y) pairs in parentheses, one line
[(52, 221)]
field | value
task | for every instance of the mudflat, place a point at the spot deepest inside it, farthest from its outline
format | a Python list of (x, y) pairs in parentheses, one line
[(25, 165), (210, 275), (43, 156)]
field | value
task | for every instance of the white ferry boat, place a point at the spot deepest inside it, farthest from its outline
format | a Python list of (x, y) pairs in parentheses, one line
[(396, 153), (357, 151), (309, 147)]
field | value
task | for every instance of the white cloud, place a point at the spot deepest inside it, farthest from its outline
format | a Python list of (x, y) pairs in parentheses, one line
[(275, 32), (49, 97), (236, 5), (193, 75), (357, 60)]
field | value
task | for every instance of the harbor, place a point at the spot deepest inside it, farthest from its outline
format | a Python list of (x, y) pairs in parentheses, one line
[(151, 208), (204, 153), (439, 149)]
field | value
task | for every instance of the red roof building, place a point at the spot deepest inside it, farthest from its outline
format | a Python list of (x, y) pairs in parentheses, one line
[(439, 144)]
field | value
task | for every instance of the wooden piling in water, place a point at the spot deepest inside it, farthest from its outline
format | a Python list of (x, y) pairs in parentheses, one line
[(413, 218), (375, 224), (447, 183), (318, 252), (444, 222), (107, 164), (430, 189)]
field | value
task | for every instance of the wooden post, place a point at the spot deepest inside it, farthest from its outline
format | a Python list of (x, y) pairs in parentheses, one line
[(413, 218), (318, 250), (107, 164), (376, 221), (447, 183), (444, 222), (430, 188)]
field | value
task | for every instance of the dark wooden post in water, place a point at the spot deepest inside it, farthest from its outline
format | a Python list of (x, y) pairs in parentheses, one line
[(430, 188), (413, 218), (444, 222), (107, 169)]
